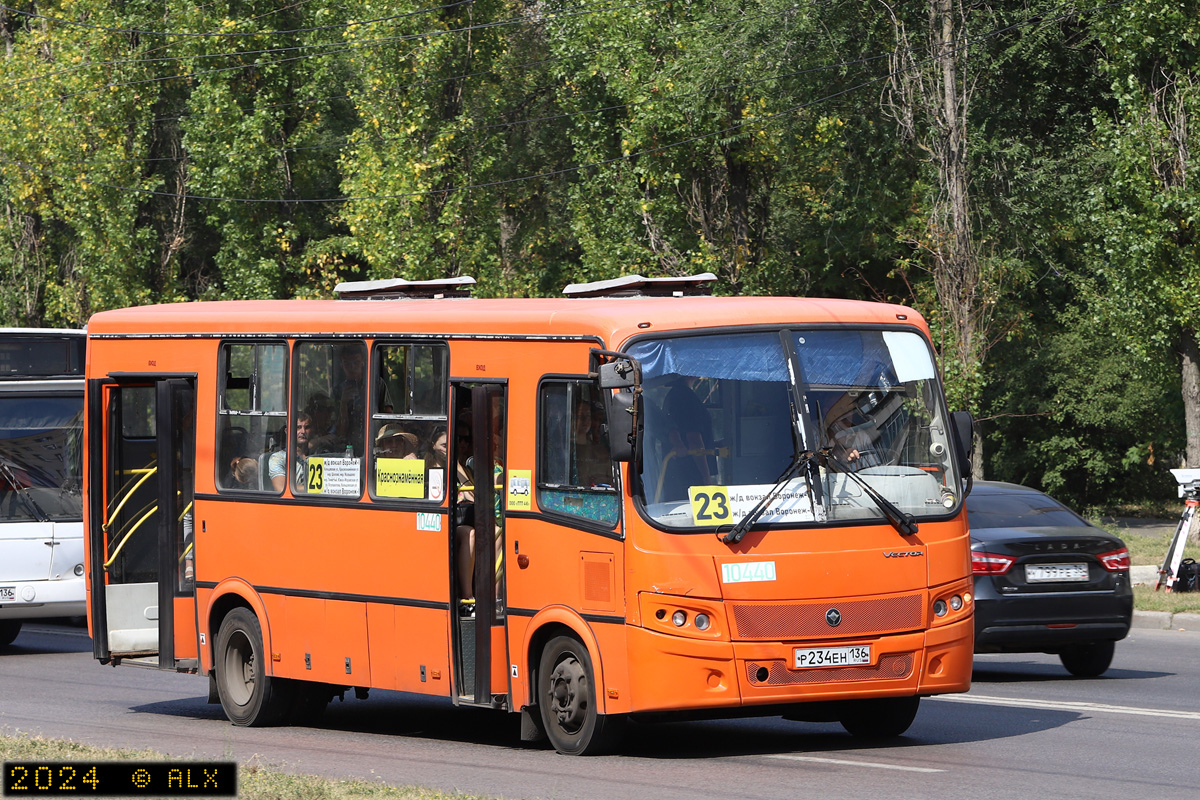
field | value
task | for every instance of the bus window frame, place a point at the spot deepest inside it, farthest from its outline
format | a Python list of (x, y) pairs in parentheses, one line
[(294, 410), (374, 373), (224, 413), (614, 531), (638, 491)]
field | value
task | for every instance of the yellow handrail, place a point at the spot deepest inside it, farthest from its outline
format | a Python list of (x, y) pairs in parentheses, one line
[(133, 472), (136, 525), (108, 522)]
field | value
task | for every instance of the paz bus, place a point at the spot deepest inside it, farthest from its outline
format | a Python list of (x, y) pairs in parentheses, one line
[(633, 501), (41, 481)]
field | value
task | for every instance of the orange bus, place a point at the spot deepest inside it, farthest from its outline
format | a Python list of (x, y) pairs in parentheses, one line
[(637, 500)]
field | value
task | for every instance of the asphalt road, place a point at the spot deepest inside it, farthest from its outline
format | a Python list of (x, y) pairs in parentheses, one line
[(1026, 729)]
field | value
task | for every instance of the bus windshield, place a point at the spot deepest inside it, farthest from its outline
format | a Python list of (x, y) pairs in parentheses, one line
[(725, 418), (40, 458)]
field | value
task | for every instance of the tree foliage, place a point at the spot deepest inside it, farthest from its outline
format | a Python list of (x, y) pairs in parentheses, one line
[(1021, 172)]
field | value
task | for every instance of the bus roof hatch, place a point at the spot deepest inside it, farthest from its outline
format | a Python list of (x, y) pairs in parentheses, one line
[(400, 289), (638, 286)]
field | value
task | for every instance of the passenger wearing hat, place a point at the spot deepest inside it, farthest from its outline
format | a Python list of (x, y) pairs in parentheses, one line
[(392, 441)]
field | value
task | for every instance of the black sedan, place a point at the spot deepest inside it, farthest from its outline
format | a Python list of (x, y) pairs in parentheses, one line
[(1046, 580)]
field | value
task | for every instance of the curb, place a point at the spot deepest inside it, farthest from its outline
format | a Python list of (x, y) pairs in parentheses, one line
[(1166, 621)]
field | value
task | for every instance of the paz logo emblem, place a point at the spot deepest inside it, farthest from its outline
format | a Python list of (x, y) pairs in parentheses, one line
[(833, 617)]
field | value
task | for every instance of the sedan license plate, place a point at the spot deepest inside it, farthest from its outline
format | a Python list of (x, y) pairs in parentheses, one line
[(1056, 573), (8, 593), (807, 657)]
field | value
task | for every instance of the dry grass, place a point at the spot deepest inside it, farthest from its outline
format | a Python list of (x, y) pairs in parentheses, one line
[(255, 781)]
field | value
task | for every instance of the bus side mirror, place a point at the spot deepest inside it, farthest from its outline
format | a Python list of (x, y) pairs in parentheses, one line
[(618, 374), (621, 409), (963, 427)]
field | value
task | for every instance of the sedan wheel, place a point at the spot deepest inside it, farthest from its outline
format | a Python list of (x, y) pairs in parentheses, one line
[(1088, 660)]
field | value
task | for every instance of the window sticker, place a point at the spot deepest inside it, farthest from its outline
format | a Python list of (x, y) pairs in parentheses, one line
[(519, 483), (333, 476), (400, 477), (710, 505)]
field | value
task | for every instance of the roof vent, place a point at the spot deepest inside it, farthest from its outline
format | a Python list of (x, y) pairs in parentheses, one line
[(638, 286), (400, 289)]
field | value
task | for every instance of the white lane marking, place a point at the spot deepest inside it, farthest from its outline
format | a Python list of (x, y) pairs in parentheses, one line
[(848, 763), (1069, 705)]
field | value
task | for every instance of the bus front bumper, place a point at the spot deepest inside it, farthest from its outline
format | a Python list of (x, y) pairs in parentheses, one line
[(678, 673)]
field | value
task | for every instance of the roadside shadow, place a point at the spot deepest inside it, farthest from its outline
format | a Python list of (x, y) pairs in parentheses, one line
[(37, 641), (401, 715), (1025, 670)]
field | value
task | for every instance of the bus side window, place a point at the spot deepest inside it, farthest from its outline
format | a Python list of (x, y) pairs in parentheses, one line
[(575, 468), (409, 421), (252, 413)]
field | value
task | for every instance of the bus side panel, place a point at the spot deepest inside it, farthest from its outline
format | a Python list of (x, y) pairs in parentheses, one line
[(409, 648), (185, 628)]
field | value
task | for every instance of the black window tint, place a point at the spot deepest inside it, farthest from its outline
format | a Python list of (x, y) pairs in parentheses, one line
[(1023, 510)]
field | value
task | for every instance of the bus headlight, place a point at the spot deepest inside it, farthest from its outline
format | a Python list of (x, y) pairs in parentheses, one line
[(679, 618), (702, 622)]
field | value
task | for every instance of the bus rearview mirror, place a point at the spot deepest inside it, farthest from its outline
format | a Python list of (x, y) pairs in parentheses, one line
[(618, 374), (621, 409)]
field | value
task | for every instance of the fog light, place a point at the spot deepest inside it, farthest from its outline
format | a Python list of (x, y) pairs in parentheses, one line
[(956, 602), (702, 621), (939, 608), (679, 618), (79, 570)]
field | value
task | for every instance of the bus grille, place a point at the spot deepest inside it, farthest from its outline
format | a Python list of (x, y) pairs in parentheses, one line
[(895, 666), (779, 622)]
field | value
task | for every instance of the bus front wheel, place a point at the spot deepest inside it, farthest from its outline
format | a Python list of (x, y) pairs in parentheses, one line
[(569, 701), (881, 718), (248, 695)]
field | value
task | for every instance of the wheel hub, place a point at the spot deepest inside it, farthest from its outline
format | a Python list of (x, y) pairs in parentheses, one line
[(568, 694)]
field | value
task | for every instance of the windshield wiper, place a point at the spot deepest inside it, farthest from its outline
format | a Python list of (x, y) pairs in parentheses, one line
[(902, 522), (805, 460), (23, 491)]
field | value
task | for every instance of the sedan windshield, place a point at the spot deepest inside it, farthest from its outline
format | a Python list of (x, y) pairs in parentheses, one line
[(40, 458), (727, 415)]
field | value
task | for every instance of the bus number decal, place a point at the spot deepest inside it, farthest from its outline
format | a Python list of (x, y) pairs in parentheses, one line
[(316, 472), (710, 505)]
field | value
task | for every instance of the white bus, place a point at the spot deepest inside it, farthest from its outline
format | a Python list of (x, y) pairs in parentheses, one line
[(41, 509)]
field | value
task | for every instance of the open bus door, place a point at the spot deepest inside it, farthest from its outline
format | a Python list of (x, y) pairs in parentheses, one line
[(479, 631), (140, 516)]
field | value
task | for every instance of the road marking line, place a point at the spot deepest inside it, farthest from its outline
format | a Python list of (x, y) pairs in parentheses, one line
[(847, 763), (1068, 705)]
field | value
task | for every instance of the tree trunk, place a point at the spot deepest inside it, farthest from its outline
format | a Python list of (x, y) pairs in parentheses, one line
[(1189, 370)]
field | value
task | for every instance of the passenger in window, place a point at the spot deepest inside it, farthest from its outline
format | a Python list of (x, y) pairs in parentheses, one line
[(320, 411), (591, 462), (277, 463), (349, 395), (393, 441), (243, 473)]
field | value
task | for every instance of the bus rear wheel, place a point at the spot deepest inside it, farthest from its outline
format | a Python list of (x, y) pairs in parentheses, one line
[(881, 718), (568, 700), (9, 628), (248, 695)]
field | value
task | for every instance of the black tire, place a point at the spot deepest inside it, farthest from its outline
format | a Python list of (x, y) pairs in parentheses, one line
[(9, 628), (569, 700), (249, 697), (1088, 660), (882, 718)]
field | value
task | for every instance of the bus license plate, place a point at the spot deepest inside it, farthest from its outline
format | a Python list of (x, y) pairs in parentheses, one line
[(808, 657), (8, 593), (1056, 573)]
